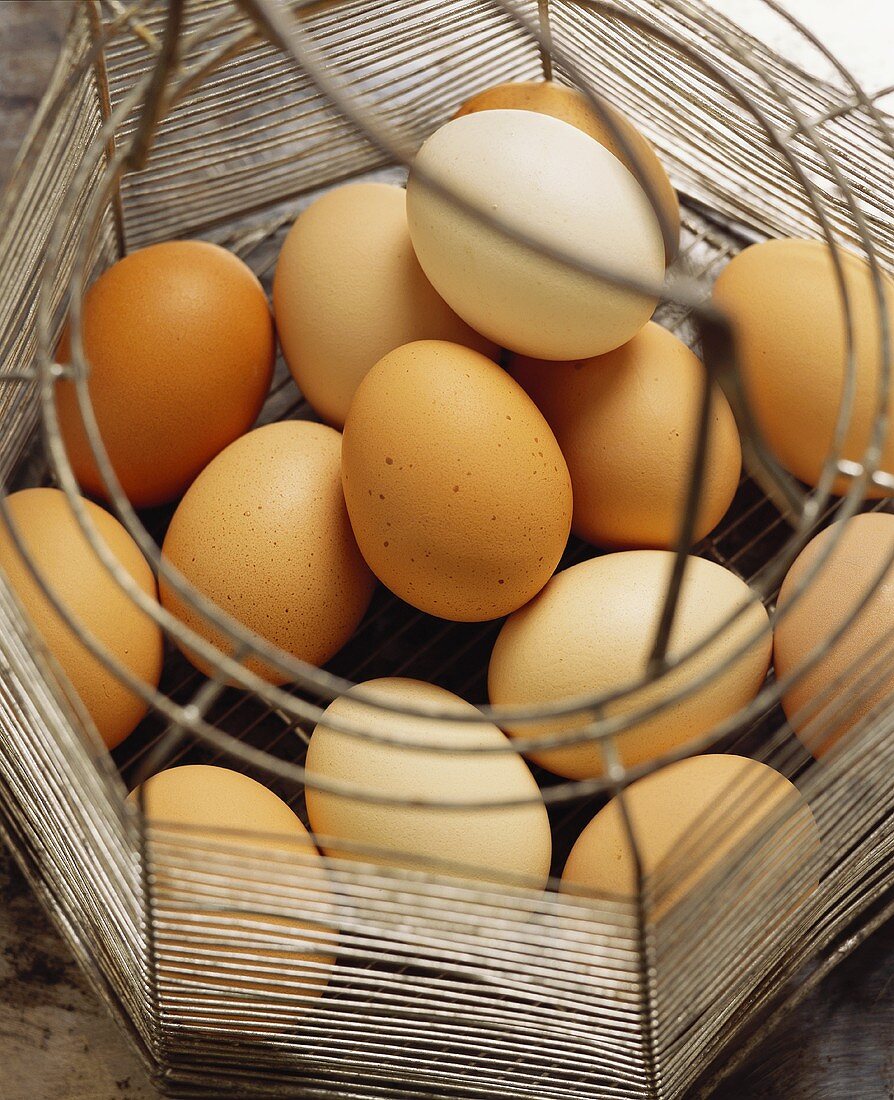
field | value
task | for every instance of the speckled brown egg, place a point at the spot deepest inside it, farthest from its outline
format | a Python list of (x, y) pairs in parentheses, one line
[(570, 105), (687, 819), (627, 424), (855, 676), (69, 566), (458, 493), (349, 289), (488, 842), (180, 342), (591, 631), (791, 338), (263, 531), (278, 946)]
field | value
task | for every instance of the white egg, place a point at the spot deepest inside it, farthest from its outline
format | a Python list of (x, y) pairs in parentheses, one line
[(550, 180)]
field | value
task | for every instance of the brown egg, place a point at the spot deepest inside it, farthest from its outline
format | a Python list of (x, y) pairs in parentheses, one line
[(856, 675), (688, 818), (71, 569), (572, 106), (231, 826), (591, 631), (492, 841), (349, 289), (458, 493), (263, 532), (789, 323), (626, 423), (179, 338)]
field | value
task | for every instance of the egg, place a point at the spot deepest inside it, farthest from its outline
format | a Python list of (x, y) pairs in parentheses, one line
[(855, 676), (70, 568), (349, 289), (591, 631), (573, 107), (791, 344), (688, 819), (627, 424), (263, 532), (490, 842), (180, 344), (551, 181), (457, 491), (238, 832)]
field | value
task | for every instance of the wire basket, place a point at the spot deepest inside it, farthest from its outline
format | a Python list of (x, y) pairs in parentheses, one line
[(234, 967)]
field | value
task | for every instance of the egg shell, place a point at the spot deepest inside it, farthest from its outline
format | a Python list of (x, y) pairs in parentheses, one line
[(627, 423), (69, 566), (591, 630), (180, 343), (855, 676), (789, 323), (349, 289), (572, 106), (552, 181), (688, 819), (458, 493), (491, 842), (263, 532), (230, 825)]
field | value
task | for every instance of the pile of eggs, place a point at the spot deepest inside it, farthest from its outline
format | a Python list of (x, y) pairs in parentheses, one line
[(480, 399)]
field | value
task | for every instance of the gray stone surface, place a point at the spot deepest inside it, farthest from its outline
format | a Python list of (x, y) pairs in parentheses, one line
[(30, 34), (56, 1041)]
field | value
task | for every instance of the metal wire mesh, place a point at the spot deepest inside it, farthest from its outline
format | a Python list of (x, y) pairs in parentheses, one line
[(212, 953)]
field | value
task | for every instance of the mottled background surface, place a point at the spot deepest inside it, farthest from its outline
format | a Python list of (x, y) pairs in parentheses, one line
[(56, 1042)]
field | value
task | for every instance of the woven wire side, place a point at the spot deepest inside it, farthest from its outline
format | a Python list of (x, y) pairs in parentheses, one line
[(230, 146), (717, 155), (60, 801), (70, 116), (439, 988)]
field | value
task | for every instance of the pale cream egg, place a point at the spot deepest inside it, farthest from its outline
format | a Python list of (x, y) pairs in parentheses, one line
[(487, 842), (553, 182)]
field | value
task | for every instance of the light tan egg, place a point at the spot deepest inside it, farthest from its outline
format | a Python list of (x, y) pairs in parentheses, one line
[(856, 675), (223, 932), (69, 566), (349, 289), (789, 322), (180, 342), (458, 493), (490, 842), (627, 425), (551, 181), (572, 106), (591, 631), (688, 818), (263, 532)]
